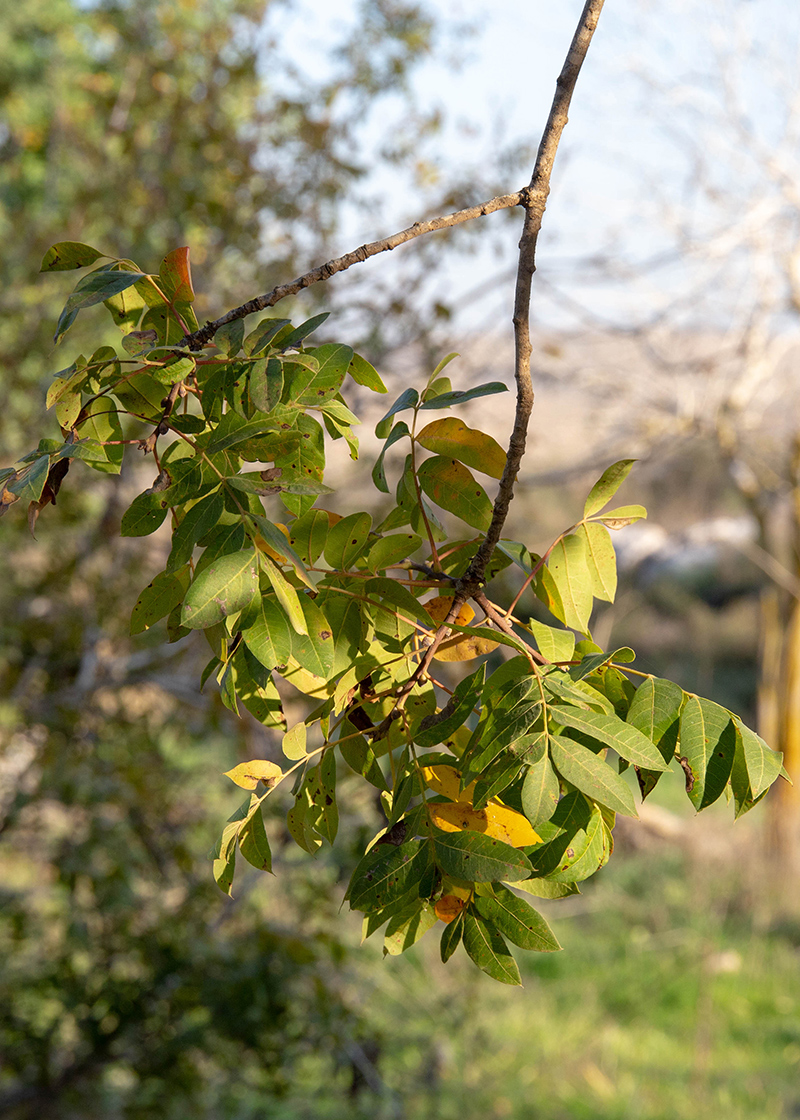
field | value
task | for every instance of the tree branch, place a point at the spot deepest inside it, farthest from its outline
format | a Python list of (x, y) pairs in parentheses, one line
[(199, 338), (534, 201)]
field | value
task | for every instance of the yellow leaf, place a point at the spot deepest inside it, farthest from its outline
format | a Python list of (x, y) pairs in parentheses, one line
[(447, 781), (439, 607), (461, 647), (249, 774), (262, 545), (451, 436), (495, 820), (309, 684), (465, 647), (448, 908)]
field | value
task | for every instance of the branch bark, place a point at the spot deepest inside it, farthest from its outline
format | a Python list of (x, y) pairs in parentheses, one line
[(534, 201), (199, 338)]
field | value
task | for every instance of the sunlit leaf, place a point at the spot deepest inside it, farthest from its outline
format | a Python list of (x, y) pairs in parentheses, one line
[(708, 743), (346, 540), (249, 774), (567, 564), (601, 560), (540, 792), (591, 775), (494, 820), (451, 437), (477, 857), (611, 732), (224, 587), (448, 483), (66, 255), (517, 920), (606, 486), (555, 645), (175, 276)]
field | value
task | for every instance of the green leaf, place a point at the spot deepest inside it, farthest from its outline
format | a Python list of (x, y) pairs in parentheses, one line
[(452, 934), (601, 560), (500, 774), (314, 649), (102, 424), (29, 485), (230, 336), (451, 437), (393, 603), (253, 843), (280, 543), (568, 567), (387, 873), (478, 858), (576, 692), (266, 332), (224, 587), (307, 535), (448, 483), (265, 384), (346, 621), (224, 854), (314, 388), (763, 764), (591, 775), (233, 429), (407, 399), (708, 743), (438, 728), (198, 520), (546, 888), (378, 473), (458, 396), (606, 486), (286, 594), (259, 694), (346, 540), (555, 645), (300, 823), (406, 928), (158, 599), (517, 920), (580, 846), (360, 757), (619, 518), (540, 792), (143, 516), (488, 950), (305, 329), (609, 730), (386, 552), (267, 634), (66, 255), (655, 710), (322, 791), (98, 286), (365, 374)]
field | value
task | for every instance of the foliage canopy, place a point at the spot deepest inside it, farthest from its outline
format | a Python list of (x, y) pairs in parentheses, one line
[(495, 790)]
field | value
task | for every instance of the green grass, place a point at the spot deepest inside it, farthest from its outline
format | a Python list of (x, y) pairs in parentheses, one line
[(677, 997)]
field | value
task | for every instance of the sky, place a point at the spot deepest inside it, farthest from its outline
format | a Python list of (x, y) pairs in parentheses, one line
[(644, 117)]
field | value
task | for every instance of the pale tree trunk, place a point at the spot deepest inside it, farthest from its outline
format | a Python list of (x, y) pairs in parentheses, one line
[(779, 698)]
